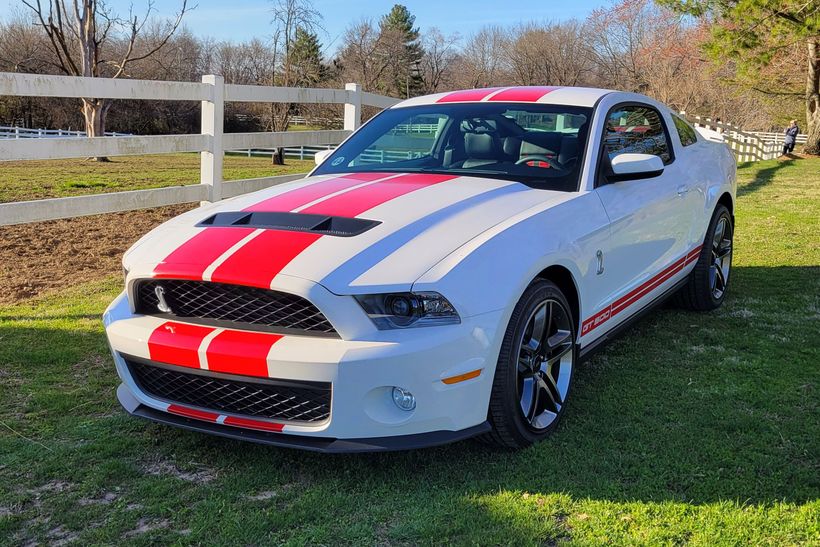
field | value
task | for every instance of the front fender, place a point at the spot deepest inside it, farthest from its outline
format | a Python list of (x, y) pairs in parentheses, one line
[(490, 272)]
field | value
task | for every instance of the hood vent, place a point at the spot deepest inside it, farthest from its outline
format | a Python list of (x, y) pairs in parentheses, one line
[(294, 222)]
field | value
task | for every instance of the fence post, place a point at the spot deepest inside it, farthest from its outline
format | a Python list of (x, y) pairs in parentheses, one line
[(213, 113), (353, 108)]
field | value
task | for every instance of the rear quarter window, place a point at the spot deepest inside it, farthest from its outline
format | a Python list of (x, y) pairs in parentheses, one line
[(686, 132)]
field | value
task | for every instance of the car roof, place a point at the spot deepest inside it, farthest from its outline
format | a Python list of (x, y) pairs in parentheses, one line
[(573, 96)]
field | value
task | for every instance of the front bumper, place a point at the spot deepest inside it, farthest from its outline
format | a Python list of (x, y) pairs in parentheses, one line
[(303, 442), (362, 373)]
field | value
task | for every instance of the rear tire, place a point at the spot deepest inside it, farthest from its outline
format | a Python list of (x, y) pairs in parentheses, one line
[(709, 280), (534, 373)]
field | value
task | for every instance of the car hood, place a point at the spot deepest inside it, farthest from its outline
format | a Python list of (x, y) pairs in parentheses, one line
[(416, 220)]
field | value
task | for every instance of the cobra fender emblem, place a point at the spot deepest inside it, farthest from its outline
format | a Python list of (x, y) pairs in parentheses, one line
[(162, 304)]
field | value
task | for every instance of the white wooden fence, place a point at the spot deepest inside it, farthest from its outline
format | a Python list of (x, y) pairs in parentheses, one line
[(746, 145), (14, 132), (211, 142)]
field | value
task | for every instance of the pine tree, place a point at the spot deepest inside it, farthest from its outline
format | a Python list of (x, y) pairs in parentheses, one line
[(306, 59), (402, 44)]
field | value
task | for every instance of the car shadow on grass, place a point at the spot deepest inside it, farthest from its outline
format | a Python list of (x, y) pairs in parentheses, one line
[(762, 178)]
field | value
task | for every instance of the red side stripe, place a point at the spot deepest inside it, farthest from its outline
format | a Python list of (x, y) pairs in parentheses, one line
[(646, 288), (253, 424), (467, 95), (639, 292), (304, 195), (356, 202), (694, 254), (177, 343), (239, 352), (191, 258), (257, 262), (522, 94), (193, 413)]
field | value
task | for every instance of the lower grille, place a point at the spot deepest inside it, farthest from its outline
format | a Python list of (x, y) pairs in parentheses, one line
[(277, 400)]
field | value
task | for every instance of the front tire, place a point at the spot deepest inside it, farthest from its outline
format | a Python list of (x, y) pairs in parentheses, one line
[(535, 368), (709, 280)]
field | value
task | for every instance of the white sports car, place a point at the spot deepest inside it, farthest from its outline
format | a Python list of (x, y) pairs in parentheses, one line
[(438, 276)]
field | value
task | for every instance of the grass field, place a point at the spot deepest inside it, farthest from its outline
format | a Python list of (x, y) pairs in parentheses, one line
[(694, 429), (22, 180)]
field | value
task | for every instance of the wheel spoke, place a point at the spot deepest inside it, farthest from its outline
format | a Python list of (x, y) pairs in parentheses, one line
[(713, 277), (532, 411), (720, 231), (539, 328), (551, 396), (720, 280), (724, 251)]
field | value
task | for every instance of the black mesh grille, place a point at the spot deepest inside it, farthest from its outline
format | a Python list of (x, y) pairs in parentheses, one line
[(232, 303), (302, 402)]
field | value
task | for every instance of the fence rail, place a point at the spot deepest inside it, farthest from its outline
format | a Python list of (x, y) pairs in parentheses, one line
[(211, 142), (14, 132), (746, 145)]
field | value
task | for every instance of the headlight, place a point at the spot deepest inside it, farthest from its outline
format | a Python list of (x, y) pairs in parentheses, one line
[(403, 310)]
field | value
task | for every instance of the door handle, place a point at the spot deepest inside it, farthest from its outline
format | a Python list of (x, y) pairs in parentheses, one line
[(682, 191)]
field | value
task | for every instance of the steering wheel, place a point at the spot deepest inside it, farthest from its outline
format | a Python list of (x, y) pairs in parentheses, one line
[(548, 162), (537, 157)]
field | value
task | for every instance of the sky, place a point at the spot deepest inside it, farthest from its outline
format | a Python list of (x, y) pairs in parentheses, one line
[(243, 19)]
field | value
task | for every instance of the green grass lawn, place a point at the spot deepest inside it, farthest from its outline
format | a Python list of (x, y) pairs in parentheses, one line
[(23, 180), (693, 428)]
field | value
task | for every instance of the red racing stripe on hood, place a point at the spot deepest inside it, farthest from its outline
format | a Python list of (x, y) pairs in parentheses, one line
[(177, 343), (257, 262), (468, 95), (302, 196), (261, 259), (192, 258), (240, 352), (356, 202), (522, 94)]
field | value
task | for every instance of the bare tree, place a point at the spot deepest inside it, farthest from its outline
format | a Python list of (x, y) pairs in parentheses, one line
[(548, 53), (363, 58), (440, 54), (83, 35), (289, 17), (482, 61)]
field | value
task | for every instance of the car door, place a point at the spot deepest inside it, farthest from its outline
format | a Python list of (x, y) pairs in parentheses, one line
[(650, 217)]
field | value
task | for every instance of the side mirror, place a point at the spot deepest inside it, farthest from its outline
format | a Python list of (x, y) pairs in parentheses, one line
[(635, 166), (321, 156)]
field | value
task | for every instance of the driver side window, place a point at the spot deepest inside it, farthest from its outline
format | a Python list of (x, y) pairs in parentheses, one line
[(636, 129)]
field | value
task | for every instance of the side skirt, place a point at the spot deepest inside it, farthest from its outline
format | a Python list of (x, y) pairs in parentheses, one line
[(594, 347)]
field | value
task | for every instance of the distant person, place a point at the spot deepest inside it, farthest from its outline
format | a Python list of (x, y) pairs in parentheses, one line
[(791, 137)]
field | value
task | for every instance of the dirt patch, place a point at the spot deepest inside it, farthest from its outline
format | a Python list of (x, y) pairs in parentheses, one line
[(46, 256), (106, 499), (147, 525), (164, 467)]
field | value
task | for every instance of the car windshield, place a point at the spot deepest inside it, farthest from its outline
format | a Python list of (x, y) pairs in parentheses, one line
[(540, 145)]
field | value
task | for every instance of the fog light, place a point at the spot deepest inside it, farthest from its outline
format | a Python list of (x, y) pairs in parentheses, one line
[(404, 399)]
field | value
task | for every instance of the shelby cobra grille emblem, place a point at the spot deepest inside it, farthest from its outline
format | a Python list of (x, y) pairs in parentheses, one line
[(161, 302)]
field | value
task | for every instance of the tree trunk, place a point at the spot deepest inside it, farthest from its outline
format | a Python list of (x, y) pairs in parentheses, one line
[(278, 157), (813, 98), (95, 112)]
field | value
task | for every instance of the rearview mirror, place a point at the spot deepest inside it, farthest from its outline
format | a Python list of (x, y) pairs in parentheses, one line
[(635, 166), (321, 156)]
